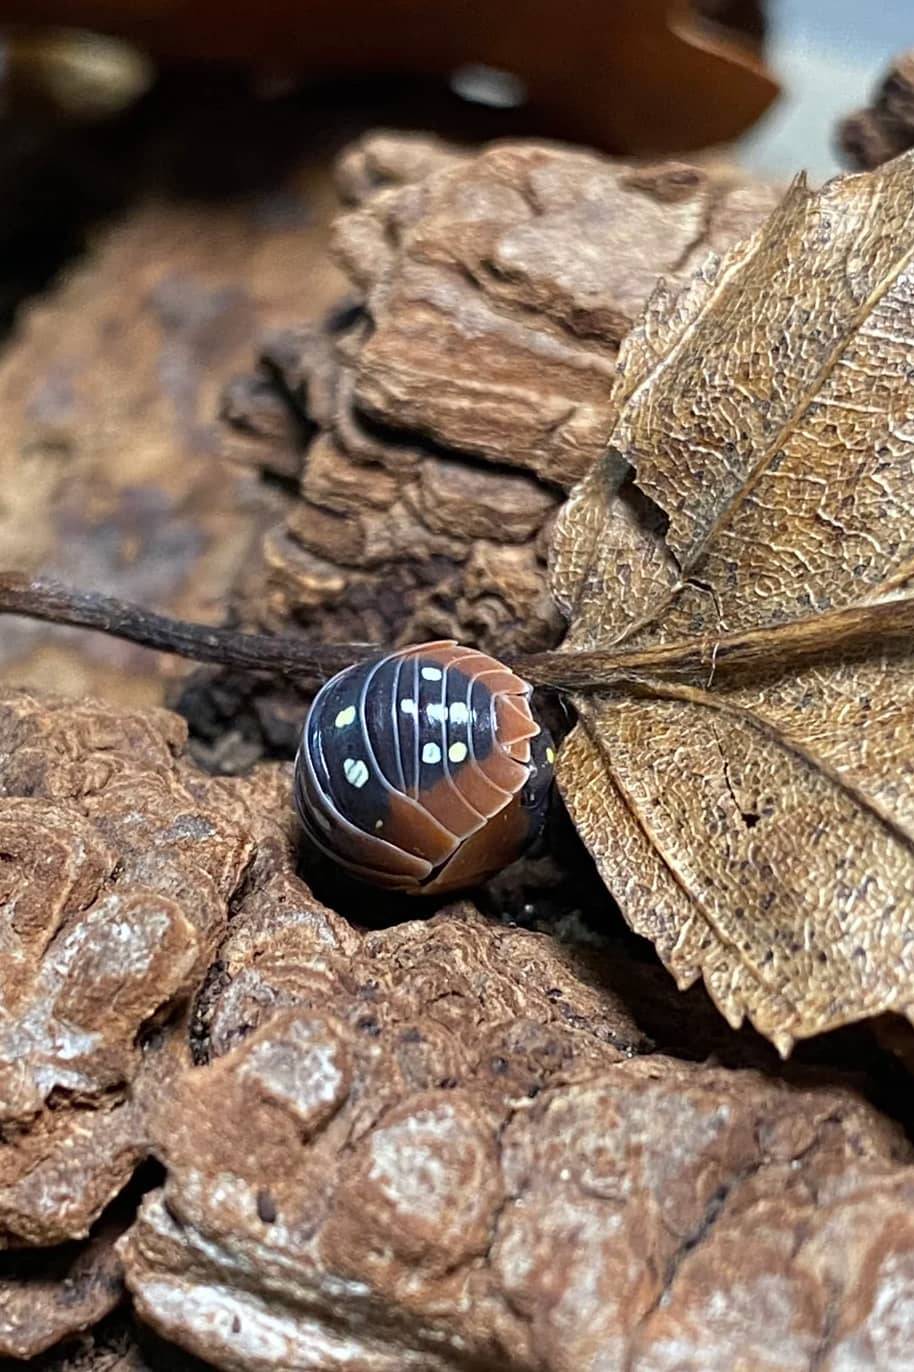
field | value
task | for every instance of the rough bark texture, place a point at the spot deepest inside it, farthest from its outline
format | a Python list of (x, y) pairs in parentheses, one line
[(47, 1296), (117, 1344), (118, 866), (438, 1146), (432, 425), (885, 128), (442, 1145), (500, 287), (645, 1214)]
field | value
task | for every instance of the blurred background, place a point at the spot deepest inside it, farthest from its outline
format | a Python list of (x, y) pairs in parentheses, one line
[(83, 83), (828, 56)]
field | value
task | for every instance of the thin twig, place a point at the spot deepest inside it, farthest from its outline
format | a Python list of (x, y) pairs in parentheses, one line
[(831, 634), (278, 655)]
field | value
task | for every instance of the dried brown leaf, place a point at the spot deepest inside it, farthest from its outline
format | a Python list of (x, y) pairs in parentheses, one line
[(757, 821)]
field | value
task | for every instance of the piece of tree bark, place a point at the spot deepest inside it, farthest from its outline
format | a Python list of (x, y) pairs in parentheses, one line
[(466, 383), (48, 1295), (500, 287), (118, 867), (118, 1344), (475, 1098), (431, 1147), (432, 417)]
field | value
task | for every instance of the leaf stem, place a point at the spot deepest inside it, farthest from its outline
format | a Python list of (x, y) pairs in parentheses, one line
[(844, 632)]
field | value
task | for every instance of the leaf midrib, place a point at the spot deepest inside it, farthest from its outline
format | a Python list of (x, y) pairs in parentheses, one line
[(760, 468)]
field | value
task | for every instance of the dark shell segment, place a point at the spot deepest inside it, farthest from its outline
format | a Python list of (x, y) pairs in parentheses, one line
[(407, 762)]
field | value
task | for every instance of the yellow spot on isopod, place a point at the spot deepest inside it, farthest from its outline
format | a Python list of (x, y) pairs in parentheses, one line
[(355, 772), (550, 756), (345, 717), (457, 752)]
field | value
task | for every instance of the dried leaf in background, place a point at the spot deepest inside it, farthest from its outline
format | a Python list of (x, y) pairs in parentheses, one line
[(758, 823)]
